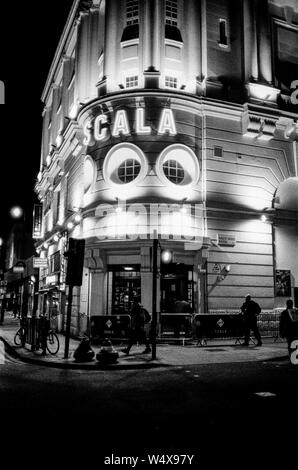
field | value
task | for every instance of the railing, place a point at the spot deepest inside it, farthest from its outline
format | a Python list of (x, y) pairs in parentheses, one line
[(231, 325), (176, 326), (268, 324), (224, 326), (185, 326)]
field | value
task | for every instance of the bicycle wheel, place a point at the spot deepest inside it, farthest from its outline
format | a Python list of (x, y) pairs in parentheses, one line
[(18, 337), (52, 343)]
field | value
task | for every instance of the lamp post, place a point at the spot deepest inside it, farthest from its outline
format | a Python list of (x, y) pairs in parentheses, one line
[(154, 290), (166, 257), (17, 213)]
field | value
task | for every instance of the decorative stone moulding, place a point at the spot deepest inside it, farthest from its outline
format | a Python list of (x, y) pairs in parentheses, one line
[(60, 164), (118, 155), (287, 128), (256, 127), (267, 130), (251, 126), (263, 93)]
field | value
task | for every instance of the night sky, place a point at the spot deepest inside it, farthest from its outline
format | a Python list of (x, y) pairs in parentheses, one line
[(29, 34)]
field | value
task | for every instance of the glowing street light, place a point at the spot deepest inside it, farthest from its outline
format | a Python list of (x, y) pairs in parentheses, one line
[(166, 256), (78, 218), (16, 212)]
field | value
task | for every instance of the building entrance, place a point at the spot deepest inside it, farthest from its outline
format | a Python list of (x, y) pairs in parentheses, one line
[(124, 287), (176, 284)]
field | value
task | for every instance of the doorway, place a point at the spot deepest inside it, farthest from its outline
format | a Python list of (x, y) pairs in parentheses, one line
[(176, 283), (124, 286)]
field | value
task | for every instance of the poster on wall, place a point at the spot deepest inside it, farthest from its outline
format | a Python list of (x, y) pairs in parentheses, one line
[(283, 283)]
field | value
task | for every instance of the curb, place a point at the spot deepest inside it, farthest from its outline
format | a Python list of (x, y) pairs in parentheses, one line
[(72, 365), (78, 366)]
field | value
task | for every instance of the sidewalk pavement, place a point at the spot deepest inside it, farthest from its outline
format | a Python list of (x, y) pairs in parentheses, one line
[(216, 351)]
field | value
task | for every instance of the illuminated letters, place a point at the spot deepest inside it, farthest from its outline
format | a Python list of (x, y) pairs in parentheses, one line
[(98, 130), (88, 134), (167, 123), (121, 125), (294, 95), (100, 133), (140, 122)]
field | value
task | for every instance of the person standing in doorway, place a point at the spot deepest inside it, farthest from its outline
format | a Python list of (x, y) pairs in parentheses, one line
[(250, 310), (139, 318), (288, 326)]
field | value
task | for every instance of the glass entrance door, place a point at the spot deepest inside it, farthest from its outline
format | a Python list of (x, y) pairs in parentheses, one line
[(176, 284), (126, 286)]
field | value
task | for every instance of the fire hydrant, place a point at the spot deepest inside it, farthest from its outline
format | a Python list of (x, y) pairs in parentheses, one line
[(107, 353)]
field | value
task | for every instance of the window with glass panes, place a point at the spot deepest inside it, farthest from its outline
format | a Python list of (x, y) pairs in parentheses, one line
[(131, 81), (55, 262), (223, 37), (173, 171), (129, 170), (171, 82), (171, 12), (132, 12)]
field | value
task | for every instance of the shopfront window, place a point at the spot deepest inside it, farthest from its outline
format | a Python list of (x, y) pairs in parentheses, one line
[(124, 287)]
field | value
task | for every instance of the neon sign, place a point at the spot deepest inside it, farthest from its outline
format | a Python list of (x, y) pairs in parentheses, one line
[(99, 129)]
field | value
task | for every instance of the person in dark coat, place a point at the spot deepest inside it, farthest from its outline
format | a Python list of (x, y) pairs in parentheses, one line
[(139, 317), (288, 326), (250, 311), (15, 308), (180, 307)]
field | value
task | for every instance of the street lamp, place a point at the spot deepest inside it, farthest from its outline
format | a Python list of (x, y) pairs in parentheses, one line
[(16, 212)]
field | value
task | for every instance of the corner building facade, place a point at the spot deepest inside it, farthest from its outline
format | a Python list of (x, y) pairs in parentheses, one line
[(177, 120)]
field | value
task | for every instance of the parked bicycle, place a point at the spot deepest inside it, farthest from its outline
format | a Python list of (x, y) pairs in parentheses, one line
[(51, 343), (20, 336)]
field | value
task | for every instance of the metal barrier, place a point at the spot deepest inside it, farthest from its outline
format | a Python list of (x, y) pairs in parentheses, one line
[(268, 324), (225, 326), (186, 326), (176, 326), (110, 326), (231, 325)]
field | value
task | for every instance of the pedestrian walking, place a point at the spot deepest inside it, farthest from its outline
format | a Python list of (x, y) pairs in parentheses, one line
[(15, 308), (250, 310), (139, 318), (288, 325)]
